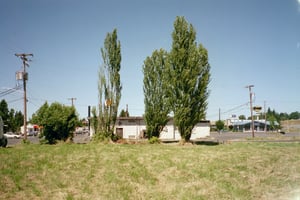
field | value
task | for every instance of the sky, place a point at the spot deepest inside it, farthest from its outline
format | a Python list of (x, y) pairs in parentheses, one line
[(253, 42)]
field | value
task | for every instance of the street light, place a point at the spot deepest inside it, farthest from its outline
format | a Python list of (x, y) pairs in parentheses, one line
[(251, 110)]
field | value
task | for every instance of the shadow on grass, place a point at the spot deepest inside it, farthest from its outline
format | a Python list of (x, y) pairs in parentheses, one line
[(207, 143)]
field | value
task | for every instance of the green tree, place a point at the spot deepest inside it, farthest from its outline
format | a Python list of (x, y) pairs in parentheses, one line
[(189, 78), (12, 119), (283, 116), (294, 115), (272, 121), (242, 117), (40, 115), (124, 113), (272, 114), (220, 125), (3, 140), (4, 113), (155, 92), (16, 120), (109, 84), (58, 121)]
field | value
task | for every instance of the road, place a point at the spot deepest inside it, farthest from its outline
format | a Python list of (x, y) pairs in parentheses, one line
[(214, 137), (80, 138), (234, 136)]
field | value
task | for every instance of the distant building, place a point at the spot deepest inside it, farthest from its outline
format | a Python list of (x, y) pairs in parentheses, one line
[(32, 129), (245, 125)]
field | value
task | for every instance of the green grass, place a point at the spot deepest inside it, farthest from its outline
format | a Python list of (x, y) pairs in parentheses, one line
[(142, 171)]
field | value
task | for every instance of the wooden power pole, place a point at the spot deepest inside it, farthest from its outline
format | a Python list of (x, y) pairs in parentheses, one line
[(251, 108), (25, 60), (72, 100)]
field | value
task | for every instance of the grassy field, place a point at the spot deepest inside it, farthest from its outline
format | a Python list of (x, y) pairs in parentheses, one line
[(142, 171)]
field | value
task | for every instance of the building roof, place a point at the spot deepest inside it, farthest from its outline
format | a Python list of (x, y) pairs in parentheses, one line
[(244, 122)]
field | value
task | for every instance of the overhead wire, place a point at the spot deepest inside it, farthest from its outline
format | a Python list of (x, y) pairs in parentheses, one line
[(236, 108), (9, 91)]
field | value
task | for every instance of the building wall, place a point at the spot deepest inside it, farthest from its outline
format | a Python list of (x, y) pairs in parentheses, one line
[(30, 128), (132, 127), (201, 130), (245, 125), (170, 132), (135, 127)]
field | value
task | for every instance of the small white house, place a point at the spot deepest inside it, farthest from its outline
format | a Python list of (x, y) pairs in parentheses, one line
[(31, 129), (135, 128), (130, 127)]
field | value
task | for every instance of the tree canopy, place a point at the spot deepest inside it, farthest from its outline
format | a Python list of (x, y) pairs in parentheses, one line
[(12, 119), (109, 84), (189, 78), (58, 122), (177, 81), (220, 125), (155, 92)]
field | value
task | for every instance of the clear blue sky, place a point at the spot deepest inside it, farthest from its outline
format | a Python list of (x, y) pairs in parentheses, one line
[(249, 42)]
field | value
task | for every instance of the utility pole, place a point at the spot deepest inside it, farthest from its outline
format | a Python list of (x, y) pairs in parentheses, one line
[(265, 116), (251, 109), (23, 57), (72, 100), (89, 118)]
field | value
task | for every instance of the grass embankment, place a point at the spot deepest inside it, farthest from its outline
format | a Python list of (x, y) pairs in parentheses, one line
[(97, 171)]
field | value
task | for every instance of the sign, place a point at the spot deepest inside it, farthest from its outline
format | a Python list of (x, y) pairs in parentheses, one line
[(257, 108)]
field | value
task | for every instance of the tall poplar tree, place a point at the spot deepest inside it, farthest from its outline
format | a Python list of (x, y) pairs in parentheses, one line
[(109, 84), (189, 78), (155, 92)]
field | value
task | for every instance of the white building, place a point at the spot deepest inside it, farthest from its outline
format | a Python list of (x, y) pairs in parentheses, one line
[(32, 129), (135, 128)]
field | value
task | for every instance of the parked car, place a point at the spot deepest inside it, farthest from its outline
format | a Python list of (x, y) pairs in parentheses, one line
[(12, 135)]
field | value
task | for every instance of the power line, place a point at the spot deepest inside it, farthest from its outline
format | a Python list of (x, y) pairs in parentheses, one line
[(239, 107), (9, 91), (235, 108), (14, 100)]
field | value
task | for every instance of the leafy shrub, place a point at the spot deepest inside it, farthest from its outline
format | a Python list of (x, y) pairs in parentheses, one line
[(25, 141), (100, 137), (115, 137), (58, 122), (3, 142), (154, 140), (43, 140)]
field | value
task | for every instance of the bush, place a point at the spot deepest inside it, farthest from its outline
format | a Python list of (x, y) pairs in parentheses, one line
[(115, 138), (58, 122), (100, 137), (154, 140), (3, 142), (26, 142), (43, 141)]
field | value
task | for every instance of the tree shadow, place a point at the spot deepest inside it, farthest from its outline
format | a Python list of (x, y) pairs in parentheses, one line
[(207, 143)]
